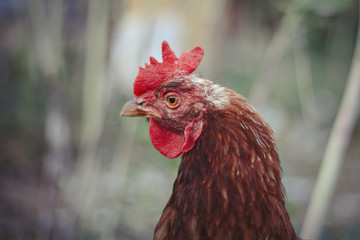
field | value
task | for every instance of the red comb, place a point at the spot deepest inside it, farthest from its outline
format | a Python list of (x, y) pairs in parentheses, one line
[(150, 77)]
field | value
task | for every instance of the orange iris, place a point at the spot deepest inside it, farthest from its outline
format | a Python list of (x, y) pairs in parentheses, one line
[(172, 100)]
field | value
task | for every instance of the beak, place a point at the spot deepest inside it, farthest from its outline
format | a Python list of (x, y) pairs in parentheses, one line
[(132, 109)]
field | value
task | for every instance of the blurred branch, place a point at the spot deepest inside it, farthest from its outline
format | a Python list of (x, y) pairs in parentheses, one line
[(304, 81), (279, 44), (46, 21), (84, 180), (47, 35), (94, 75), (335, 151)]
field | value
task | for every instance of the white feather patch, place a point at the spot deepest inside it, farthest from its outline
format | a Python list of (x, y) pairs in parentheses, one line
[(214, 93)]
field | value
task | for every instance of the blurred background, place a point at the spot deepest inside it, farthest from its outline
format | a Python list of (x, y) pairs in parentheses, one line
[(71, 168)]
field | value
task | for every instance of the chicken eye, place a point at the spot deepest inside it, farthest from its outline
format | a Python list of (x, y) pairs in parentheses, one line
[(172, 100)]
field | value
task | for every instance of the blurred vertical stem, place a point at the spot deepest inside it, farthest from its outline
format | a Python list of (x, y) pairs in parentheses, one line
[(94, 74), (335, 150), (275, 52), (46, 22), (304, 81), (85, 178), (47, 35)]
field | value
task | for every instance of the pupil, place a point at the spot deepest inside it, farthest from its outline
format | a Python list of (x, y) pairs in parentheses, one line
[(172, 100)]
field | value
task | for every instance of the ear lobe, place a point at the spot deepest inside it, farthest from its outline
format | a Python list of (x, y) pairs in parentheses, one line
[(191, 134)]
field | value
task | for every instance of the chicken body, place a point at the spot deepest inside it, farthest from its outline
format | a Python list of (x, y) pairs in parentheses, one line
[(229, 180), (229, 185)]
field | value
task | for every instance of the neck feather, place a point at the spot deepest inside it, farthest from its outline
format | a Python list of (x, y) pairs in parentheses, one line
[(229, 183)]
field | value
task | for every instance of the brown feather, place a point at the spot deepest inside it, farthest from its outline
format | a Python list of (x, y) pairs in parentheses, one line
[(229, 185)]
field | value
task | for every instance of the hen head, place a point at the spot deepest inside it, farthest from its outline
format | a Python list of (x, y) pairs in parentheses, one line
[(174, 101)]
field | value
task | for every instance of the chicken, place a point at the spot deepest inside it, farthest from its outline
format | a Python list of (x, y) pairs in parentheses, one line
[(229, 180)]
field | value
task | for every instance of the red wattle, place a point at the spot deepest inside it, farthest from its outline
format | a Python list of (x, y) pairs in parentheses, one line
[(172, 144), (167, 142)]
